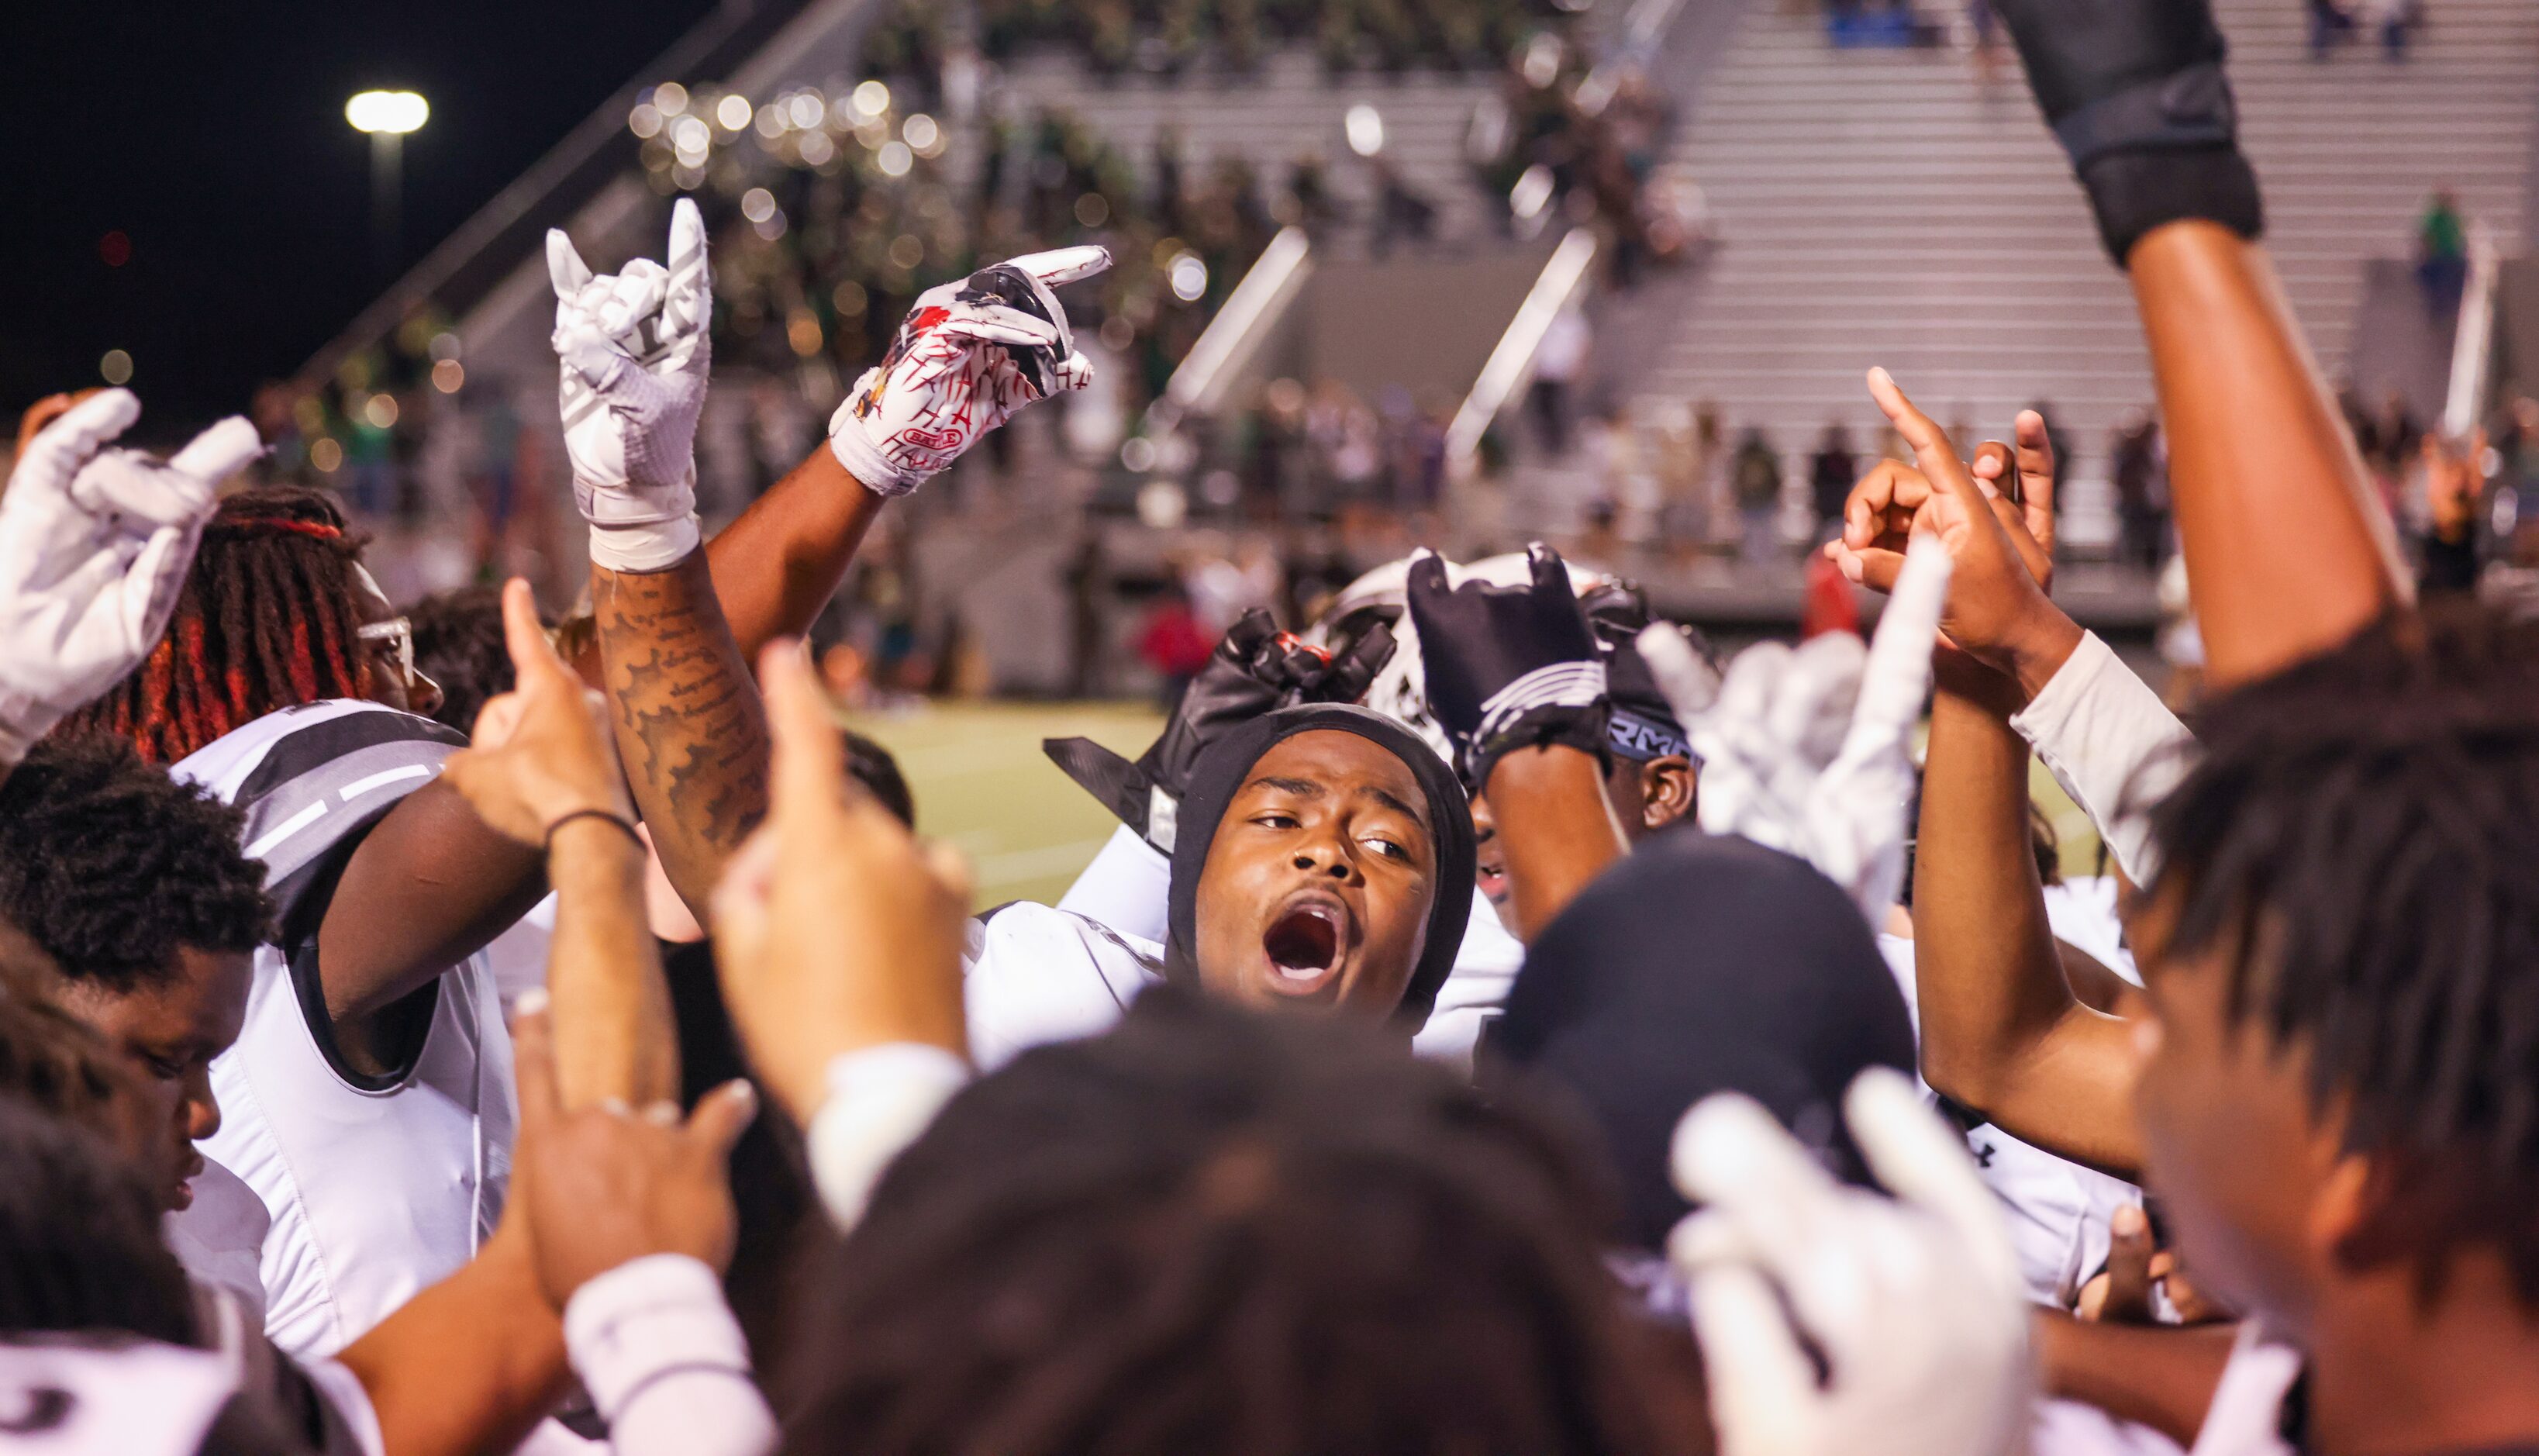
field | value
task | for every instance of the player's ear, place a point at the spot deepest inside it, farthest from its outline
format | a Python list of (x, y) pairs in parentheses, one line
[(1666, 791)]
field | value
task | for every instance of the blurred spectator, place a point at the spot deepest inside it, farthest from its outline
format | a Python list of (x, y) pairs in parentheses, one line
[(2139, 463), (1556, 365), (1832, 472), (2442, 254), (1175, 643), (2331, 24), (2454, 484), (1221, 589), (1401, 213), (1756, 475), (1989, 42), (2396, 21)]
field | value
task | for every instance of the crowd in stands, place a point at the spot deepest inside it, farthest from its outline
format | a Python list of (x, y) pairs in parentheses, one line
[(1496, 1026)]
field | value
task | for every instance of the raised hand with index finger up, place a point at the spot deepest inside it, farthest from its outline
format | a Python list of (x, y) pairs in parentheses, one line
[(835, 930), (2000, 540)]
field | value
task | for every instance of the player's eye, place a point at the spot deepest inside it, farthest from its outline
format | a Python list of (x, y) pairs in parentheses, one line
[(1277, 819)]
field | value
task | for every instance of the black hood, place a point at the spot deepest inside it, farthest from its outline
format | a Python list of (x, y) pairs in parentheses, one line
[(1702, 964), (1227, 765)]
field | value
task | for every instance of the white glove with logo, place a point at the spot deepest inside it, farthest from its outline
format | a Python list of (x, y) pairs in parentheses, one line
[(634, 353), (93, 548), (1914, 1302), (967, 356), (1808, 750)]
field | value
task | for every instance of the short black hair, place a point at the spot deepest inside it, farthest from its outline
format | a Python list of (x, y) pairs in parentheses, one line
[(874, 767), (1212, 1230), (110, 865), (2360, 832), (78, 1238), (458, 644), (59, 1064)]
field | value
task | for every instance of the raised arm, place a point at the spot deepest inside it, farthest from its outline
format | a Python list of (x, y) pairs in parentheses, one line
[(2288, 551), (543, 770), (633, 348), (1514, 676), (2001, 1030), (778, 564), (837, 943)]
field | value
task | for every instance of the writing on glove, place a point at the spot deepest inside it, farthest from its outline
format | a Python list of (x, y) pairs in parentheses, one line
[(967, 356)]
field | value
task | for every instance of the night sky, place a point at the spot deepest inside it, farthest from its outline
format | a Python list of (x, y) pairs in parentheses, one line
[(213, 136)]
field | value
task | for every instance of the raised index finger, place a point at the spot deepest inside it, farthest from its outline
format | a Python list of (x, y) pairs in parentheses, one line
[(808, 768), (533, 1060), (1932, 449), (2037, 468), (1064, 264), (524, 637)]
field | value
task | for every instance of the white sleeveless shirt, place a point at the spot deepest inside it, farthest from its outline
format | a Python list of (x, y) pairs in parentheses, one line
[(345, 1195)]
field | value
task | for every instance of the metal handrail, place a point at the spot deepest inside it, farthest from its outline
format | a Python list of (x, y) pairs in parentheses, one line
[(1230, 338), (1511, 363), (2473, 343)]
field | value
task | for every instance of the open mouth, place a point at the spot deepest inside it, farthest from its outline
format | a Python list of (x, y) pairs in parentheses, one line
[(1303, 946), (1491, 880)]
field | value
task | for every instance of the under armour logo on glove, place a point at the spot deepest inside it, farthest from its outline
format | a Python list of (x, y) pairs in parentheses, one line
[(967, 356), (95, 544), (1508, 667), (634, 353)]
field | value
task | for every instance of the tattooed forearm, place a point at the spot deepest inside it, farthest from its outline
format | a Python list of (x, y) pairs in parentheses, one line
[(690, 725)]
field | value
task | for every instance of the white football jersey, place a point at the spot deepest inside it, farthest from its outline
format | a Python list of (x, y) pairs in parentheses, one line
[(345, 1193), (1033, 975), (2058, 1210)]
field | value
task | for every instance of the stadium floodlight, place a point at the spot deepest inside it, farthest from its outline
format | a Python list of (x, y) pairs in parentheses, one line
[(390, 113), (386, 117)]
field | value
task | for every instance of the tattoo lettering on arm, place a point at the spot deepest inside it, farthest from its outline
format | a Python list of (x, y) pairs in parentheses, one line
[(690, 728)]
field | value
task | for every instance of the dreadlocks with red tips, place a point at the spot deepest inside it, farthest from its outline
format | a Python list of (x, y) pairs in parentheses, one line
[(265, 621)]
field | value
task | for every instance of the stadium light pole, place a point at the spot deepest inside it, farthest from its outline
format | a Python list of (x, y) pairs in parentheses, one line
[(386, 117)]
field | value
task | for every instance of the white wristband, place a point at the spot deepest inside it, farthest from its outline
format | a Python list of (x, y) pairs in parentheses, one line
[(645, 1319), (866, 464), (649, 529), (880, 1099), (655, 546)]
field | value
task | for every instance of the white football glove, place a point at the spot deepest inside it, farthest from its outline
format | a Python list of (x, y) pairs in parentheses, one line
[(93, 548), (967, 356), (1809, 750), (634, 351), (1914, 1302)]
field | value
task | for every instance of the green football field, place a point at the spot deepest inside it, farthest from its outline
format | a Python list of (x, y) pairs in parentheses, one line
[(979, 780)]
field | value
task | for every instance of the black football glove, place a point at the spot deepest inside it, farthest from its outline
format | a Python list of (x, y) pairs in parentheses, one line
[(2135, 93), (1508, 667), (1254, 670)]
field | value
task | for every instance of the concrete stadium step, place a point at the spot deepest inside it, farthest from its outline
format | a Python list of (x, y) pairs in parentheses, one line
[(1291, 108), (1886, 207)]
